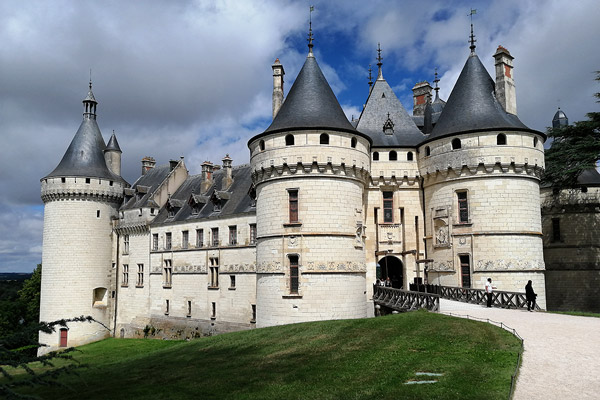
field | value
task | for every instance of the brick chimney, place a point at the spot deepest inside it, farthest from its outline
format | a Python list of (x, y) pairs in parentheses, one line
[(227, 161), (421, 95), (147, 164), (505, 82), (207, 176), (278, 74)]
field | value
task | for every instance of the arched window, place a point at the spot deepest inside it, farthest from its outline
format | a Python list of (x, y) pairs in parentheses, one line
[(353, 142), (393, 156), (427, 151), (261, 145), (324, 138), (289, 140), (456, 144), (535, 142), (409, 156), (501, 139), (375, 156)]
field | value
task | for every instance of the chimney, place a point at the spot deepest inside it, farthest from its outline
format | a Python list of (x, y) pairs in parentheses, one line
[(147, 164), (207, 178), (421, 95), (505, 82), (173, 164), (228, 171), (278, 74)]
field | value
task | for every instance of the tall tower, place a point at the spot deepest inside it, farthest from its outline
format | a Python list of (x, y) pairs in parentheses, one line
[(481, 171), (310, 170), (80, 196)]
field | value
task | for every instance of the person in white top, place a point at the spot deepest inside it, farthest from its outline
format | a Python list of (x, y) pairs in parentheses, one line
[(488, 290)]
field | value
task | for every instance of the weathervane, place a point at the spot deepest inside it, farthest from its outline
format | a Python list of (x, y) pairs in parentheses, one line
[(370, 76), (436, 80), (379, 59), (472, 37), (310, 35)]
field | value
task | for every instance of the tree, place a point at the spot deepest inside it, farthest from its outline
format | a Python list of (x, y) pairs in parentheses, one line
[(29, 296), (574, 149)]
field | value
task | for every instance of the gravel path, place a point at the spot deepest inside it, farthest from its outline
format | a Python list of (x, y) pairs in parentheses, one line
[(562, 352)]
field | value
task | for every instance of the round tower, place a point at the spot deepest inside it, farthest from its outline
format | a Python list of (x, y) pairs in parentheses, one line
[(81, 197), (310, 170), (481, 171)]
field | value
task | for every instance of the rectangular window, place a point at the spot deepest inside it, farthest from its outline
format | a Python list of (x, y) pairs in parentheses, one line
[(167, 307), (293, 273), (293, 199), (199, 238), (168, 274), (214, 272), (253, 313), (465, 271), (140, 275), (185, 236), (155, 241), (463, 207), (125, 278), (388, 207), (125, 244), (213, 312), (215, 237), (556, 229), (231, 281), (168, 241), (189, 308), (252, 233), (233, 235)]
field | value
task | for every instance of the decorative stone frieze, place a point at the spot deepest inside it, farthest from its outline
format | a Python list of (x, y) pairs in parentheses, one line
[(509, 265)]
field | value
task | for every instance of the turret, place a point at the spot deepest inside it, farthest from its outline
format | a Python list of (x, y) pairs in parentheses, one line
[(560, 119), (112, 155)]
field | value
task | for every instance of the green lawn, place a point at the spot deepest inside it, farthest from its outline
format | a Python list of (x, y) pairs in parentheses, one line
[(350, 359), (578, 313)]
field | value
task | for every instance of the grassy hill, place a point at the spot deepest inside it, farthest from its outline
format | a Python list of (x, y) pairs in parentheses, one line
[(349, 359)]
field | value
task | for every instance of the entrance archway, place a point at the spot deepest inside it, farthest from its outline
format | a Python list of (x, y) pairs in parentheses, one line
[(392, 266)]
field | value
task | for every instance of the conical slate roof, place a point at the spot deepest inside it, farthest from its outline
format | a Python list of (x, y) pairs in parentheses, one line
[(472, 105), (560, 119), (113, 144), (310, 104), (383, 105)]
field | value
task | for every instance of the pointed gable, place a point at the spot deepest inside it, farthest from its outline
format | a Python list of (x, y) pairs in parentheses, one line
[(472, 105), (384, 110)]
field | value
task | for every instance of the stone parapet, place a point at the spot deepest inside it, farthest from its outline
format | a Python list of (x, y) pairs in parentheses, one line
[(81, 188)]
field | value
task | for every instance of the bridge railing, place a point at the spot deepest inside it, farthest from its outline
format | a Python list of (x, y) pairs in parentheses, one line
[(403, 300)]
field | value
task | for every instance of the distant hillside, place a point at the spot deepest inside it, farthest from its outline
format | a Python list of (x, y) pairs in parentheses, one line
[(14, 276)]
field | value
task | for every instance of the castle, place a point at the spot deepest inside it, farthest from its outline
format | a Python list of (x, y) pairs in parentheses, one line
[(449, 195)]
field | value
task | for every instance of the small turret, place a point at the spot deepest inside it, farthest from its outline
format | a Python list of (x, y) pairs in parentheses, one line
[(112, 155), (560, 119)]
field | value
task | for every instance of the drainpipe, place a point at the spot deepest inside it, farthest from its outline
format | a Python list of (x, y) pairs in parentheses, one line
[(116, 299)]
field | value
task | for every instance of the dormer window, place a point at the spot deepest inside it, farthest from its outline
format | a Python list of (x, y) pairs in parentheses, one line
[(388, 126), (197, 202), (173, 207), (219, 198)]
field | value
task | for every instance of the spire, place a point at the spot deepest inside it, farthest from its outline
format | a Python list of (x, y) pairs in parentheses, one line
[(89, 104), (472, 37), (310, 34), (379, 64), (113, 144), (437, 89)]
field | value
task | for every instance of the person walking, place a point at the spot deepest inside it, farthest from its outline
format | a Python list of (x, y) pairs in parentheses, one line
[(530, 296), (488, 290)]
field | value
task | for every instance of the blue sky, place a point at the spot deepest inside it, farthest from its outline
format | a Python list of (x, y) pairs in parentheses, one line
[(193, 78)]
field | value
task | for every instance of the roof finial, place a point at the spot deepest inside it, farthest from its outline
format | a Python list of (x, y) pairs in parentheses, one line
[(379, 59), (370, 76), (90, 103), (437, 89), (310, 34), (472, 37)]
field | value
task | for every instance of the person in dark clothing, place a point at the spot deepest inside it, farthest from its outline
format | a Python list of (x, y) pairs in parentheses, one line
[(530, 296)]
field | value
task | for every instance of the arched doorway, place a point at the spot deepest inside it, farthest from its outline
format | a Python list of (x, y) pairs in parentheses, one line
[(392, 266)]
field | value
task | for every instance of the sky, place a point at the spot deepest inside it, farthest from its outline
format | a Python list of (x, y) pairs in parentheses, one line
[(194, 78)]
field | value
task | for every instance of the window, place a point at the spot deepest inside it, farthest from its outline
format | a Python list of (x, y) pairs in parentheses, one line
[(214, 237), (155, 241), (353, 142), (252, 233), (388, 207), (63, 180), (87, 180), (324, 138), (375, 156), (393, 156), (556, 229), (125, 277), (168, 241), (233, 235), (501, 139), (167, 307), (456, 144), (199, 238), (189, 308), (253, 313), (126, 244), (289, 140), (427, 151), (214, 272), (293, 273), (463, 207), (293, 205), (99, 297), (409, 156), (213, 312), (168, 274), (97, 213), (140, 275), (261, 145), (185, 238), (465, 271), (231, 281)]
